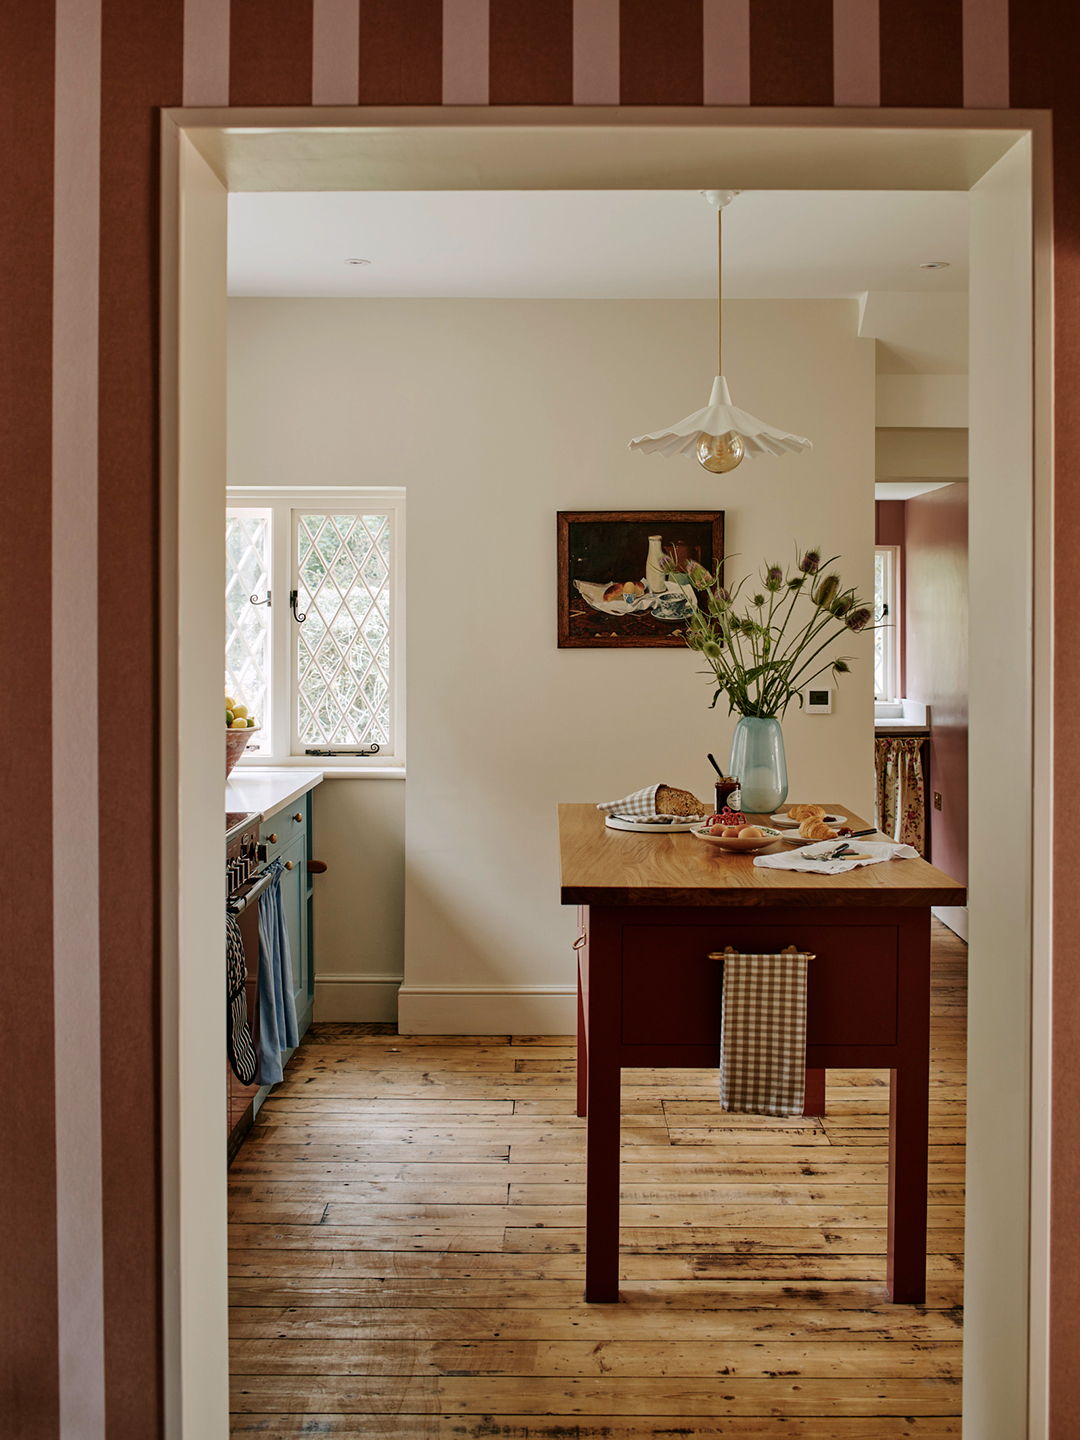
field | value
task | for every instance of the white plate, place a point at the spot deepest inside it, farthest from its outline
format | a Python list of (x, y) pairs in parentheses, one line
[(643, 827), (832, 820), (736, 845)]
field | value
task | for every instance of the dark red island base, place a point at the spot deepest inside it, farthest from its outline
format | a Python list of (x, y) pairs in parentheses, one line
[(653, 908)]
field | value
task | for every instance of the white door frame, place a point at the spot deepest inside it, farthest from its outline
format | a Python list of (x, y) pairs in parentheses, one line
[(204, 152)]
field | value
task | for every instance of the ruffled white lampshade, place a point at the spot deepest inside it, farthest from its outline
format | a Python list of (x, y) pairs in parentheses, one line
[(718, 418)]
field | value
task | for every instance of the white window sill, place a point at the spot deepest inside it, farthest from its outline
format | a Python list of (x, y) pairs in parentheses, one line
[(329, 772)]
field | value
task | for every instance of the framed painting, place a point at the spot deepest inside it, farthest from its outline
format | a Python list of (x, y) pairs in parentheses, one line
[(626, 576)]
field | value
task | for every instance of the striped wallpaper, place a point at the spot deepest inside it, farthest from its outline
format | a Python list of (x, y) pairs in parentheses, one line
[(80, 84)]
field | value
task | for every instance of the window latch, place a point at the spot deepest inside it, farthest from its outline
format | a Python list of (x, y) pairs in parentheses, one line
[(374, 750), (260, 602), (293, 596)]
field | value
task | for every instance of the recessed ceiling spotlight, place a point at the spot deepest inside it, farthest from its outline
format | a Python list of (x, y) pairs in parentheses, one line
[(934, 265), (357, 262)]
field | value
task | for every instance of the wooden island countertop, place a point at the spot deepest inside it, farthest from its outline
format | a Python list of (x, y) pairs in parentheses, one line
[(620, 867)]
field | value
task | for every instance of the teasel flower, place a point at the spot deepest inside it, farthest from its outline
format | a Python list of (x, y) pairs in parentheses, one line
[(810, 562), (712, 649), (759, 601), (774, 580), (843, 603), (826, 591), (699, 576), (841, 667), (722, 596), (859, 619)]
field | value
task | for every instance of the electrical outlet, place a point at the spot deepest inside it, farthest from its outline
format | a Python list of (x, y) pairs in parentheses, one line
[(937, 799)]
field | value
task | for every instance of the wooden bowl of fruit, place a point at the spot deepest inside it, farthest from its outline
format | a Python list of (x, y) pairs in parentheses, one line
[(732, 832), (239, 728)]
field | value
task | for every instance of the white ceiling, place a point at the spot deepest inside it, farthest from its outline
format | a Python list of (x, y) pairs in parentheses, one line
[(594, 244)]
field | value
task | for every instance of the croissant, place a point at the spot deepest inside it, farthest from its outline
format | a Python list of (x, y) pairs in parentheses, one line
[(816, 830), (805, 812)]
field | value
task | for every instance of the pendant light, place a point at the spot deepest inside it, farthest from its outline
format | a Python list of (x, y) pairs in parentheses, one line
[(719, 436)]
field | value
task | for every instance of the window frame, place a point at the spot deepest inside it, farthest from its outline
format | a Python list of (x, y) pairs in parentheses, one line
[(284, 502), (891, 630)]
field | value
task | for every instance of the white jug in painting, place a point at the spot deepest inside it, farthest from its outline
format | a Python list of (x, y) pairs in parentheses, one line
[(655, 579)]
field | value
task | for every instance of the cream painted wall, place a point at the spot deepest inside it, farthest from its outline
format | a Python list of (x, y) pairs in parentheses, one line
[(495, 415)]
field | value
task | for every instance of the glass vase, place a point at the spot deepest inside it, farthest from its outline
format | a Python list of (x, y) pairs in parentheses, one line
[(757, 759)]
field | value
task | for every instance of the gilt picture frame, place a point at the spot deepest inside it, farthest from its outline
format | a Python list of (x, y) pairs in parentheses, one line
[(625, 577)]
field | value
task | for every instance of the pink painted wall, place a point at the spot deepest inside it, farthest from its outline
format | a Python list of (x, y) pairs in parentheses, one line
[(889, 527), (936, 565)]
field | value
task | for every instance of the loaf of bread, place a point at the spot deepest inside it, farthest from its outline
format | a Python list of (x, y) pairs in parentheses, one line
[(816, 830), (670, 801), (805, 812)]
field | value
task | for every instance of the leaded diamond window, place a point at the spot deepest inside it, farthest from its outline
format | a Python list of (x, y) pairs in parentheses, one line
[(247, 624), (344, 693), (322, 667)]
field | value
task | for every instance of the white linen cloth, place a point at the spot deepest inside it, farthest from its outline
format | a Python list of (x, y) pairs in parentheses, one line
[(641, 805), (808, 858)]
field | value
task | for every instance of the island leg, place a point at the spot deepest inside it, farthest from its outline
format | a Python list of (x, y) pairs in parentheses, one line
[(601, 1012), (814, 1103), (909, 1117)]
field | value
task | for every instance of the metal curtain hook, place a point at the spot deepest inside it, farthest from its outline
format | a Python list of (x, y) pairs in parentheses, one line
[(261, 602), (293, 595)]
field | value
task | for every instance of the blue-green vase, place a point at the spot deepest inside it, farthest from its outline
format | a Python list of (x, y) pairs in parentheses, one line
[(757, 759)]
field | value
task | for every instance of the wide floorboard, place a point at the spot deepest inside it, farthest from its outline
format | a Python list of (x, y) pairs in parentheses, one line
[(406, 1251)]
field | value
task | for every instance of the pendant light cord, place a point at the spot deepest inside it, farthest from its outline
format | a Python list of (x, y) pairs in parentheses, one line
[(720, 290)]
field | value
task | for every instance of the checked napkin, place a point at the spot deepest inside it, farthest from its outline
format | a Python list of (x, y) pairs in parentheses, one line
[(763, 1033), (641, 805)]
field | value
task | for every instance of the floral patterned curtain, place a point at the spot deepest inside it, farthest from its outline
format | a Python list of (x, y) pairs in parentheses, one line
[(900, 800)]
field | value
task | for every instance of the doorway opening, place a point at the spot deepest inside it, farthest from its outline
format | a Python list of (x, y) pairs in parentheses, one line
[(209, 158)]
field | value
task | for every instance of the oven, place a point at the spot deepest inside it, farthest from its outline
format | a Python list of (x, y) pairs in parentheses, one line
[(244, 883)]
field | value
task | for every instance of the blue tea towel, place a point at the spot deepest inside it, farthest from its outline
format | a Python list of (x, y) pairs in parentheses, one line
[(277, 1007)]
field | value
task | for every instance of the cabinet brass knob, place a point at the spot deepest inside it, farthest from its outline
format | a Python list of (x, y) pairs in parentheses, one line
[(288, 864), (298, 816), (273, 839)]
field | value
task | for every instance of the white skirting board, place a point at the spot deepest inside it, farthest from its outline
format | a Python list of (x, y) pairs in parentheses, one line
[(487, 1010), (371, 998), (955, 917)]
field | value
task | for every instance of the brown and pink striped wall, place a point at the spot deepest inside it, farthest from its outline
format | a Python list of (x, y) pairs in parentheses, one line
[(81, 84)]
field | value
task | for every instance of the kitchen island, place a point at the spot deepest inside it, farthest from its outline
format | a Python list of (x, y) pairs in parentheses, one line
[(655, 909)]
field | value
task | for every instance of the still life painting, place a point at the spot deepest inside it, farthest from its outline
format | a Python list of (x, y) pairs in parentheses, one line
[(628, 578)]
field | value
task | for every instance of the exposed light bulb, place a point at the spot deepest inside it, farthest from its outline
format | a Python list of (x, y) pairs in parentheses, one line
[(720, 453)]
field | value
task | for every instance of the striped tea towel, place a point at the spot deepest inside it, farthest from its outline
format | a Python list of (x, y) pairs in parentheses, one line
[(763, 1033), (641, 805), (238, 1032), (810, 857)]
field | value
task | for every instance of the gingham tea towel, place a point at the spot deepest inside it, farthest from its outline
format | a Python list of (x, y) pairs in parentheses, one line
[(763, 1033), (641, 805)]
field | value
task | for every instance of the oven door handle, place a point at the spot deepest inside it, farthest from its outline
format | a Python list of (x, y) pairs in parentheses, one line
[(239, 903)]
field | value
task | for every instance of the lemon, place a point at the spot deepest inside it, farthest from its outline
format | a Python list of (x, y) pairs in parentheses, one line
[(229, 717), (230, 703), (239, 724), (240, 711)]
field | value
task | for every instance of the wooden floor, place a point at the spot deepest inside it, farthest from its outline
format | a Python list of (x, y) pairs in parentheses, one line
[(407, 1235)]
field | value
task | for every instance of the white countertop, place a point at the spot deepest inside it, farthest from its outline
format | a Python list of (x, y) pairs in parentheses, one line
[(883, 727), (268, 791)]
